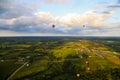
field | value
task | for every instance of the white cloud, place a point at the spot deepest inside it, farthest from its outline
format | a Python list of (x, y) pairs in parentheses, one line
[(90, 18), (68, 24)]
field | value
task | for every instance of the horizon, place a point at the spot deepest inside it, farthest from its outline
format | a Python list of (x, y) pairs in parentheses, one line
[(63, 36)]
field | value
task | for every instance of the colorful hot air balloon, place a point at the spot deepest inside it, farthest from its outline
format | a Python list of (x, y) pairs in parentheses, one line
[(88, 68), (86, 62), (78, 75)]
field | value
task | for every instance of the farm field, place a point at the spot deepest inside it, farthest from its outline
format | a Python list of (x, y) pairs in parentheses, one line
[(59, 58)]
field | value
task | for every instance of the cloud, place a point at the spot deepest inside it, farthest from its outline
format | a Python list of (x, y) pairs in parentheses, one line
[(109, 6), (18, 18), (56, 1), (91, 18), (74, 32), (108, 32), (41, 22), (12, 33), (13, 9), (115, 6)]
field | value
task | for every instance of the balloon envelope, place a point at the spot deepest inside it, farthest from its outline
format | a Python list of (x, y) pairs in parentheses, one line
[(83, 25), (78, 75), (53, 26)]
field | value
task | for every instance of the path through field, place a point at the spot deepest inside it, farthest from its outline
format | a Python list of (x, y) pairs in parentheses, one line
[(16, 71)]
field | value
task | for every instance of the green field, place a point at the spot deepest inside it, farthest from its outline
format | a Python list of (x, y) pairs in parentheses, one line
[(7, 67), (59, 59)]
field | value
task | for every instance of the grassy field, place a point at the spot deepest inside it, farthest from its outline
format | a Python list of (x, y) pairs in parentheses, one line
[(70, 56), (7, 67), (60, 59)]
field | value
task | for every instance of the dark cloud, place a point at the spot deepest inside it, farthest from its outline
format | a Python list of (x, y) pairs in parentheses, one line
[(13, 9), (34, 29), (114, 6), (30, 24), (102, 12)]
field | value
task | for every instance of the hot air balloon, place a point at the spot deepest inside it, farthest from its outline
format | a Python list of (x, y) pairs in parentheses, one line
[(88, 68), (78, 75), (53, 26), (86, 62), (83, 25)]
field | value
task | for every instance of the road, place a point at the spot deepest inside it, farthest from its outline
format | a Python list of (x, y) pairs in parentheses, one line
[(27, 62), (16, 71)]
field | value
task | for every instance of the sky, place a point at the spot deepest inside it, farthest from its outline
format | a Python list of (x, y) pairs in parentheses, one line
[(36, 17)]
